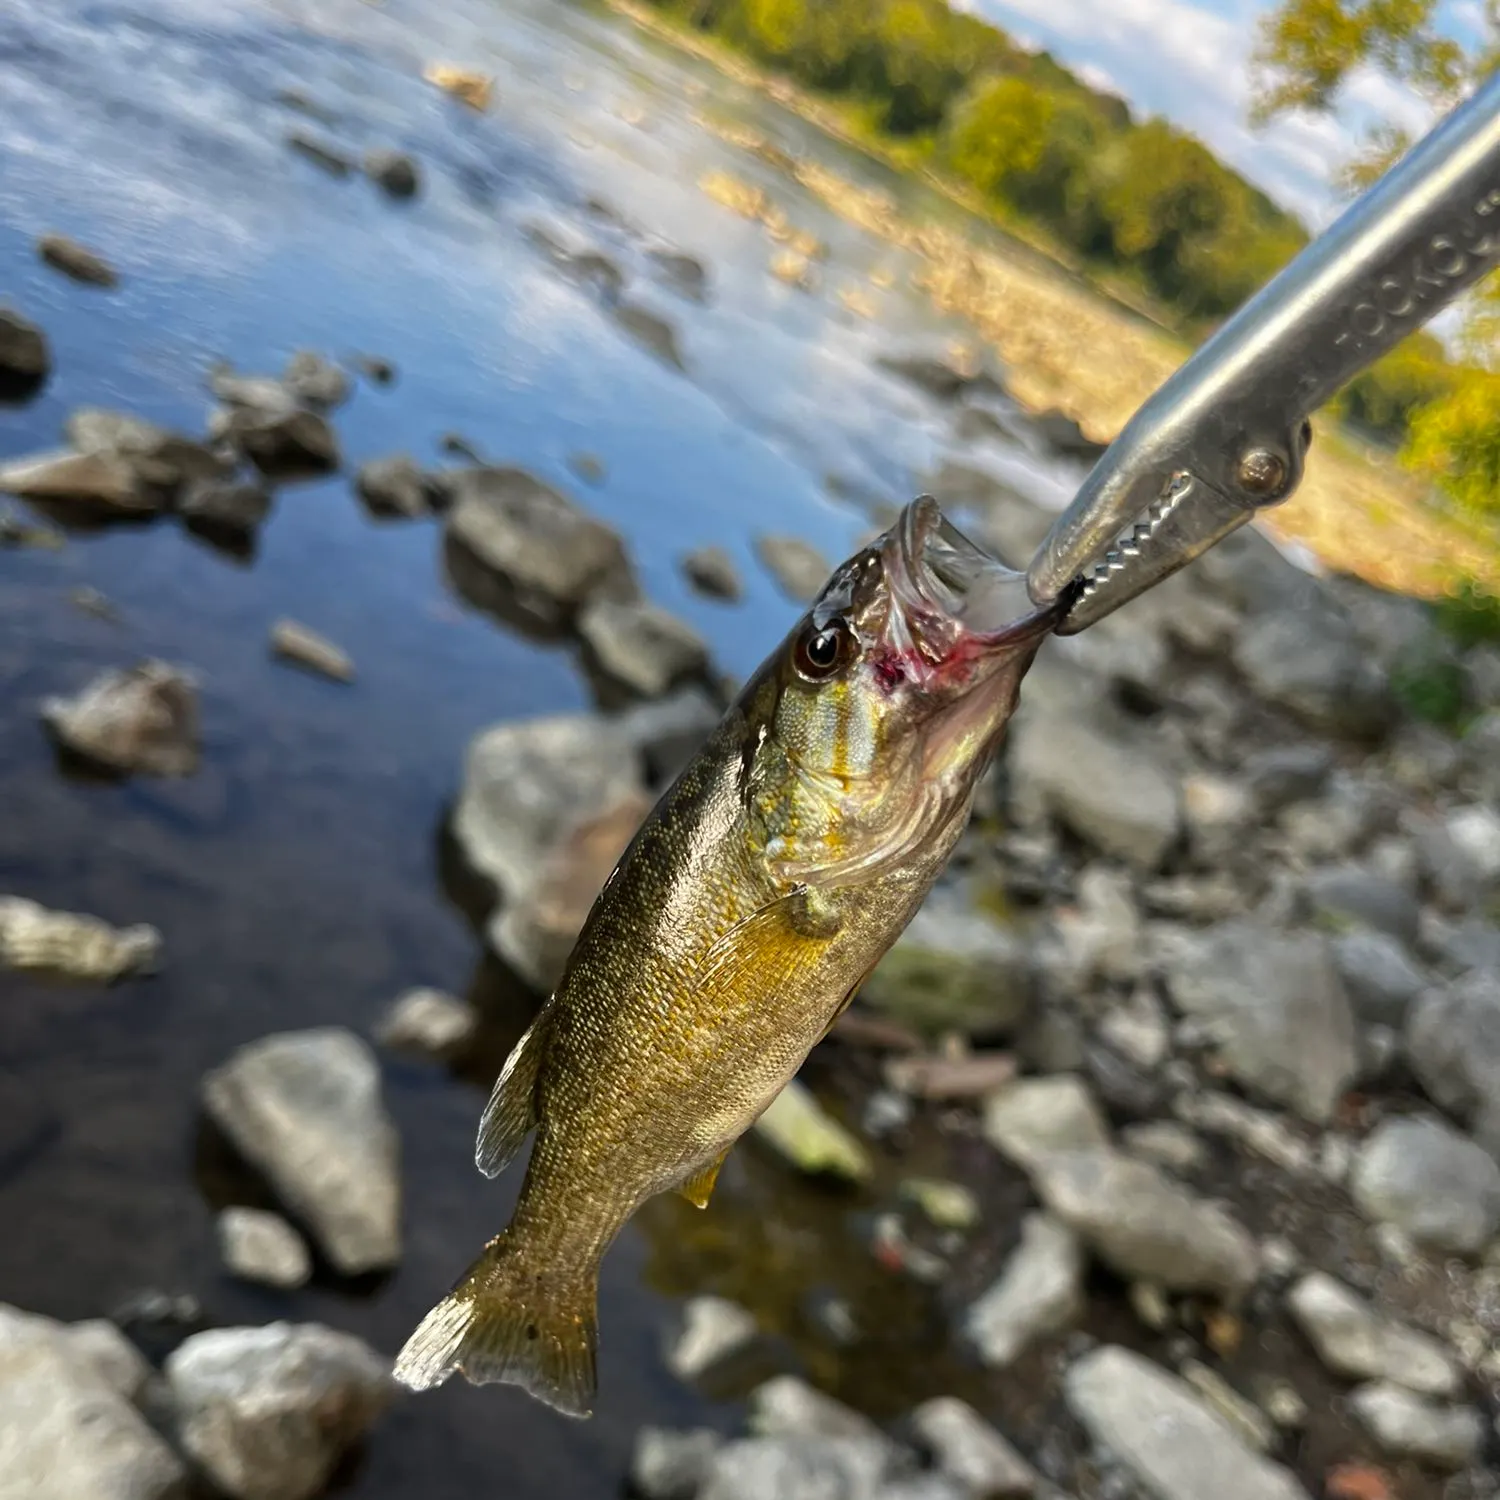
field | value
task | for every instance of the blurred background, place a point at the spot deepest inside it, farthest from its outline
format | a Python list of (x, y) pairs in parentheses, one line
[(414, 421)]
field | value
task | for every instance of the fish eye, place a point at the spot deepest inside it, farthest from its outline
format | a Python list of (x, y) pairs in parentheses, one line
[(822, 649)]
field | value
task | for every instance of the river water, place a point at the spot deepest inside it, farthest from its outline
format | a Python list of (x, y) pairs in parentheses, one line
[(297, 878)]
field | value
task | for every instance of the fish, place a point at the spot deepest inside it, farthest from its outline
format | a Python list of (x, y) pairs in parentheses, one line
[(759, 893)]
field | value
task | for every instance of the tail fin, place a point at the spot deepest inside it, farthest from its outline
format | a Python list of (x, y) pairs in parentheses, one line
[(513, 1323)]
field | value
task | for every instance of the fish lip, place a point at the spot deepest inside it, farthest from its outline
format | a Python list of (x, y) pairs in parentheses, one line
[(948, 589)]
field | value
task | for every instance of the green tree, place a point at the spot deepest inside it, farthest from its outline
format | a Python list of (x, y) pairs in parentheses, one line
[(1000, 132)]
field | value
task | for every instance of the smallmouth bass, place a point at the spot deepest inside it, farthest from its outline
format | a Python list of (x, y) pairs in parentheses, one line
[(766, 884)]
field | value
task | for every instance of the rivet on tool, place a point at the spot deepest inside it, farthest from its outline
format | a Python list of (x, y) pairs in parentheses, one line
[(1262, 473)]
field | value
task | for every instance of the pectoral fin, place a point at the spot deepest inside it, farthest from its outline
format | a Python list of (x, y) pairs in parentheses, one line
[(698, 1189), (771, 947)]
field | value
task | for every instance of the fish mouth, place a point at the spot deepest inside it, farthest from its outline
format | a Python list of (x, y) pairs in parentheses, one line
[(949, 585)]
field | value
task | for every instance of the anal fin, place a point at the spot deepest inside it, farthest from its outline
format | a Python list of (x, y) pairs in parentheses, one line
[(698, 1189), (511, 1113)]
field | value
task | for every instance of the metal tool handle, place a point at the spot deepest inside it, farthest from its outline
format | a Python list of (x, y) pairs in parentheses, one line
[(1230, 423)]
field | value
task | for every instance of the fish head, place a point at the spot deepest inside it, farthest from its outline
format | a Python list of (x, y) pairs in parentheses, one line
[(895, 687)]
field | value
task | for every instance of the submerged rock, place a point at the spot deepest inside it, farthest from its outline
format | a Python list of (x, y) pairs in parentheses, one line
[(1171, 1443), (71, 946), (306, 648), (535, 554), (797, 566), (394, 486), (966, 1449), (1406, 1426), (953, 969), (428, 1023), (304, 1107), (651, 331), (683, 272), (394, 172), (227, 507), (67, 1429), (1040, 1292), (257, 1245), (323, 156), (25, 359), (1276, 1006), (105, 481), (142, 720), (1438, 1187), (1354, 1340), (798, 1129), (712, 572), (315, 381), (75, 261), (713, 1328), (268, 1412), (640, 647)]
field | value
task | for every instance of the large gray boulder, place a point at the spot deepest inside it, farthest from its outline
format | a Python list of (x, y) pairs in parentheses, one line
[(305, 1109), (68, 1430), (1276, 1006), (268, 1412), (1173, 1445)]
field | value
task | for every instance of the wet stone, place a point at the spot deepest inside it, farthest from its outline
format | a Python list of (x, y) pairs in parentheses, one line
[(101, 482), (267, 1413), (1408, 1426), (1035, 1117), (651, 331), (803, 1133), (1354, 1340), (1163, 1434), (428, 1023), (305, 1109), (797, 566), (260, 1246), (322, 155), (68, 945), (142, 720), (966, 1449), (233, 507), (712, 572), (315, 381), (1437, 1186), (712, 1329), (640, 647), (394, 172), (305, 648), (291, 443), (668, 1465), (1039, 1292), (76, 261), (684, 273), (25, 359)]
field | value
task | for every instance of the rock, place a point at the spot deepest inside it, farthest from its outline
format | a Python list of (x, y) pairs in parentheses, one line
[(651, 331), (797, 566), (1035, 1117), (292, 443), (788, 1407), (262, 394), (1060, 432), (393, 486), (712, 572), (1097, 776), (228, 507), (669, 732), (974, 1075), (947, 1205), (1436, 1186), (375, 369), (1145, 1226), (640, 647), (1355, 1341), (1154, 1425), (268, 1412), (713, 1328), (142, 720), (966, 1449), (794, 1468), (66, 1429), (1406, 1426), (327, 158), (1380, 976), (684, 273), (70, 946), (539, 556), (953, 969), (1101, 932), (306, 648), (669, 1465), (1249, 1423), (394, 173), (1217, 810), (25, 359), (468, 87), (939, 376), (1259, 1132), (1040, 1292), (304, 1107), (74, 261), (799, 1130), (99, 1344), (1137, 1029), (259, 1246), (162, 460), (428, 1023), (1166, 1144), (315, 381), (1278, 777), (1453, 1043), (104, 481), (1350, 894), (1313, 664), (1276, 1006)]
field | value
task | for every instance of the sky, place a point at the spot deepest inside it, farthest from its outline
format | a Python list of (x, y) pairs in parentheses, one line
[(1189, 60)]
